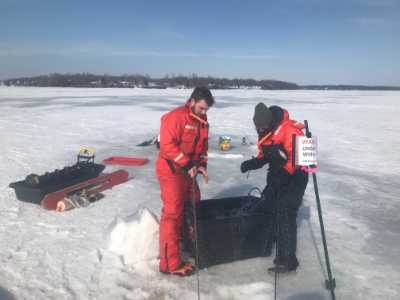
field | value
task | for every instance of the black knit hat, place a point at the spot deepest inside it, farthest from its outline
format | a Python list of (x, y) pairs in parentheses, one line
[(262, 116)]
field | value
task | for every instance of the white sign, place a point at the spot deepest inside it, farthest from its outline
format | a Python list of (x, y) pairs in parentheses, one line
[(306, 152)]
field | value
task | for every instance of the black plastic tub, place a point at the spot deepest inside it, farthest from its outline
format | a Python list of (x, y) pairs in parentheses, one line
[(35, 187), (231, 229)]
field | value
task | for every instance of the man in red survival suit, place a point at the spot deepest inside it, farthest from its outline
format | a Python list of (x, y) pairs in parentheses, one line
[(183, 154), (285, 183)]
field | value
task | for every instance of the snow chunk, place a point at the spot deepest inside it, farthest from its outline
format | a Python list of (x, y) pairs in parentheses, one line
[(135, 238)]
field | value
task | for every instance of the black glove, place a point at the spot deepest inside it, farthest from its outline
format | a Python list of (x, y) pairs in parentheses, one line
[(188, 166), (275, 154), (252, 164)]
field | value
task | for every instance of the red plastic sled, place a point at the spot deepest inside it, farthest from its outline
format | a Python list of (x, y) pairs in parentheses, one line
[(125, 161)]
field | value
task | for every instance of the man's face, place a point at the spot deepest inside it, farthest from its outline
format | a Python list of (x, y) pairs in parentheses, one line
[(199, 107)]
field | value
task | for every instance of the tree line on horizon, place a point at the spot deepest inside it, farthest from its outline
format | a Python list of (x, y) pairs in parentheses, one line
[(143, 81), (170, 81)]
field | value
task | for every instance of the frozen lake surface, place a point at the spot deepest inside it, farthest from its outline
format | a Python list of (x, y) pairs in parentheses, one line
[(46, 255)]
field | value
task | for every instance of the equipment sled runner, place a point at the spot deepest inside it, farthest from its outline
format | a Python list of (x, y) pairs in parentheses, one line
[(86, 190)]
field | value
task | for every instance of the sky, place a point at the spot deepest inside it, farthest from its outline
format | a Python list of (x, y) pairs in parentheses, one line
[(301, 41)]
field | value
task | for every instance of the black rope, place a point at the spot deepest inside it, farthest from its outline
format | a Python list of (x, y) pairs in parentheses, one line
[(277, 241), (195, 235)]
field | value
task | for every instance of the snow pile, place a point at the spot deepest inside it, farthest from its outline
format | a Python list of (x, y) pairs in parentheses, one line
[(135, 238)]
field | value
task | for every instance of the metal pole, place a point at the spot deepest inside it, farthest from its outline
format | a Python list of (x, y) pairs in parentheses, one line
[(330, 283)]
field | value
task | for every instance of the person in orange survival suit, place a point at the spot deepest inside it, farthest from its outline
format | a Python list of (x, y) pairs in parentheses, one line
[(183, 154), (285, 182)]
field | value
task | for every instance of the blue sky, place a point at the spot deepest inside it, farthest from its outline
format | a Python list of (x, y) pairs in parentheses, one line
[(302, 41)]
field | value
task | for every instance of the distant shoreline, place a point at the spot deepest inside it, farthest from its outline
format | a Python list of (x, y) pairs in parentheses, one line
[(87, 80)]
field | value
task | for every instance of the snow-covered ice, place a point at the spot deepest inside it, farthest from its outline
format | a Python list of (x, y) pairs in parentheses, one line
[(108, 250)]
